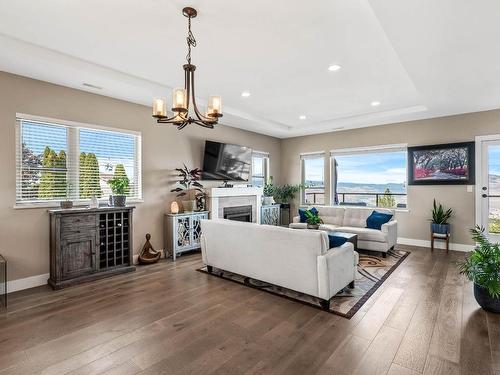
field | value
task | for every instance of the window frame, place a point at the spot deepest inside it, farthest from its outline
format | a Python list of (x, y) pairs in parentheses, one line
[(73, 147), (265, 166), (363, 151), (303, 157)]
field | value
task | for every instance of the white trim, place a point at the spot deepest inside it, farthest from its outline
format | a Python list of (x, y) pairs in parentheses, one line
[(27, 282), (437, 244), (56, 204), (305, 155), (369, 149), (73, 124)]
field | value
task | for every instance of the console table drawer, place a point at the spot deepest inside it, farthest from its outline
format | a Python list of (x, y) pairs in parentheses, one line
[(73, 222)]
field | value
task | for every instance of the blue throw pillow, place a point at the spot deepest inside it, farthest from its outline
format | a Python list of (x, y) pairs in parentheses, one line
[(377, 219), (302, 213), (336, 241)]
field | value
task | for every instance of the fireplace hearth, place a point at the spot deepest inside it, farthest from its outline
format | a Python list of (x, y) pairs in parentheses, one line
[(238, 213)]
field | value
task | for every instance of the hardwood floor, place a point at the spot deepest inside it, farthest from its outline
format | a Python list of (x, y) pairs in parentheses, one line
[(169, 319)]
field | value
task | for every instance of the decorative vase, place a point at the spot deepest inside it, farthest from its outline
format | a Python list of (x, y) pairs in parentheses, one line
[(189, 206), (119, 200), (486, 301), (313, 226), (440, 228), (65, 205), (94, 202)]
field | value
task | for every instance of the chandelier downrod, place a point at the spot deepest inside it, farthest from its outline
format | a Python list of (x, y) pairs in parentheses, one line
[(182, 97)]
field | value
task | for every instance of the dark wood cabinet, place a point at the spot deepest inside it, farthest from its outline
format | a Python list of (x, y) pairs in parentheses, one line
[(87, 244)]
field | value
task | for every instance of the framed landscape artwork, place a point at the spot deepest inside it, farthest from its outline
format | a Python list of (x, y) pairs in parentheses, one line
[(446, 164)]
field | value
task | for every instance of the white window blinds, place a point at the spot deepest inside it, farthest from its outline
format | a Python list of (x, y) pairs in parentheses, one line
[(56, 160)]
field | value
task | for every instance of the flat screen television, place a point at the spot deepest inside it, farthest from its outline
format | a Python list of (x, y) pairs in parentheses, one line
[(226, 162)]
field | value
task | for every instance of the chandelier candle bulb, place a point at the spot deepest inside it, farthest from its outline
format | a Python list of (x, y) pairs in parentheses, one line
[(215, 103), (179, 100), (159, 107)]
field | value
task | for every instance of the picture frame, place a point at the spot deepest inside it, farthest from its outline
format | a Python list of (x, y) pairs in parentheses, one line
[(442, 164)]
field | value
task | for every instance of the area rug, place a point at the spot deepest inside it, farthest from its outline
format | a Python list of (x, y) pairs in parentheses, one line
[(372, 272)]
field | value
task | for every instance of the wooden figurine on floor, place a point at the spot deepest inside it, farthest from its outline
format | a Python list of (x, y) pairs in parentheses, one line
[(148, 254)]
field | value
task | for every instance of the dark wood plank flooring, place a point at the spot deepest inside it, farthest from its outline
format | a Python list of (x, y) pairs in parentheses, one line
[(169, 319)]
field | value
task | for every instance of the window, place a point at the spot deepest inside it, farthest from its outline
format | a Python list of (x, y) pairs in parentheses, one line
[(374, 177), (313, 169), (260, 168), (58, 160)]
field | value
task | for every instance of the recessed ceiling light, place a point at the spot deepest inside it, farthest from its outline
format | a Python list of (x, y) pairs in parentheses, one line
[(92, 86), (375, 103), (302, 117), (334, 68), (245, 94)]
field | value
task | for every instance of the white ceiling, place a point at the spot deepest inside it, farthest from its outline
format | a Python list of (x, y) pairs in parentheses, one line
[(419, 58)]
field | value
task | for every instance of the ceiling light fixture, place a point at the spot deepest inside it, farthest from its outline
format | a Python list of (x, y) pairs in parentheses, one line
[(334, 68), (245, 94), (181, 97), (375, 103), (302, 117)]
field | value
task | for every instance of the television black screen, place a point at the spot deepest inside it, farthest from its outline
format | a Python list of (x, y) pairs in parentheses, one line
[(226, 162)]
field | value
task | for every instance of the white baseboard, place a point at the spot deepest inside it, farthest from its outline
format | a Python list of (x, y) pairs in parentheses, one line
[(437, 244), (27, 282)]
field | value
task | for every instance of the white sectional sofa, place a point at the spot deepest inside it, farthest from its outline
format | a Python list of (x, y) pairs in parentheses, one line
[(353, 220), (299, 260)]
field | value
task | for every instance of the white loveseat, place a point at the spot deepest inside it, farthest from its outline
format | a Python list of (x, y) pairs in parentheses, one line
[(295, 259), (353, 220)]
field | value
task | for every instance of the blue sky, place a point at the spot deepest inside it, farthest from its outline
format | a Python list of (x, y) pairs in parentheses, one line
[(373, 168), (494, 159)]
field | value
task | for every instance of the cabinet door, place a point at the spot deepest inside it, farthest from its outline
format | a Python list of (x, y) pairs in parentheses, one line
[(196, 229), (78, 255)]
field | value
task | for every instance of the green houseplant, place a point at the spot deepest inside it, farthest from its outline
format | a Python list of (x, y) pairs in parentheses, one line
[(482, 267), (286, 193), (189, 184), (312, 219), (120, 187), (440, 218)]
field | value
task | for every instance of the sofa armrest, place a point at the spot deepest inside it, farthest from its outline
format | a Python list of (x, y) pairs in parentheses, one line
[(296, 219), (391, 230), (336, 269)]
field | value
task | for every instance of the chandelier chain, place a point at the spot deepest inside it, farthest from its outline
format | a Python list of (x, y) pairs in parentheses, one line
[(191, 41)]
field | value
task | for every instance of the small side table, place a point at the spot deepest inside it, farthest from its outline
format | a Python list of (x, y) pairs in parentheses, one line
[(443, 237), (3, 281)]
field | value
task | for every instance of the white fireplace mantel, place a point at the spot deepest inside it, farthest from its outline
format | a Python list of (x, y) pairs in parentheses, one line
[(218, 195)]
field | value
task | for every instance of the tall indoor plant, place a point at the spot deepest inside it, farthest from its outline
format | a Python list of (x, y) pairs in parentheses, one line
[(189, 183), (482, 267), (440, 218)]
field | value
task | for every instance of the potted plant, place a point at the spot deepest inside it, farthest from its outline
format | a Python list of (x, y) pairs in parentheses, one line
[(482, 267), (286, 193), (440, 217), (269, 190), (189, 183), (119, 186), (313, 220)]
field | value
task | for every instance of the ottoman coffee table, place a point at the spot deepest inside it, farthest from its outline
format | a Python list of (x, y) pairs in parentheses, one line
[(350, 237)]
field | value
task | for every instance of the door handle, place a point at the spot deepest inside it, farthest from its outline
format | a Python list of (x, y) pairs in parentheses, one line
[(485, 195)]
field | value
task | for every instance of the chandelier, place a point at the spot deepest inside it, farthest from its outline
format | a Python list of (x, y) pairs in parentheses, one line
[(182, 97)]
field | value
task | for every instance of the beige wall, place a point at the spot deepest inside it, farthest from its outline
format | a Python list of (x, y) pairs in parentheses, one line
[(413, 224), (24, 233)]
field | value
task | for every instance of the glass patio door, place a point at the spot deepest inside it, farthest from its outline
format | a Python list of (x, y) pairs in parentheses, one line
[(489, 188)]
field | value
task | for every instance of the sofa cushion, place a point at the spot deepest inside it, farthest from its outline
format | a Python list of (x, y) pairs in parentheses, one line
[(332, 215), (302, 213), (328, 227), (377, 219), (356, 217), (365, 234), (297, 225), (336, 241)]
